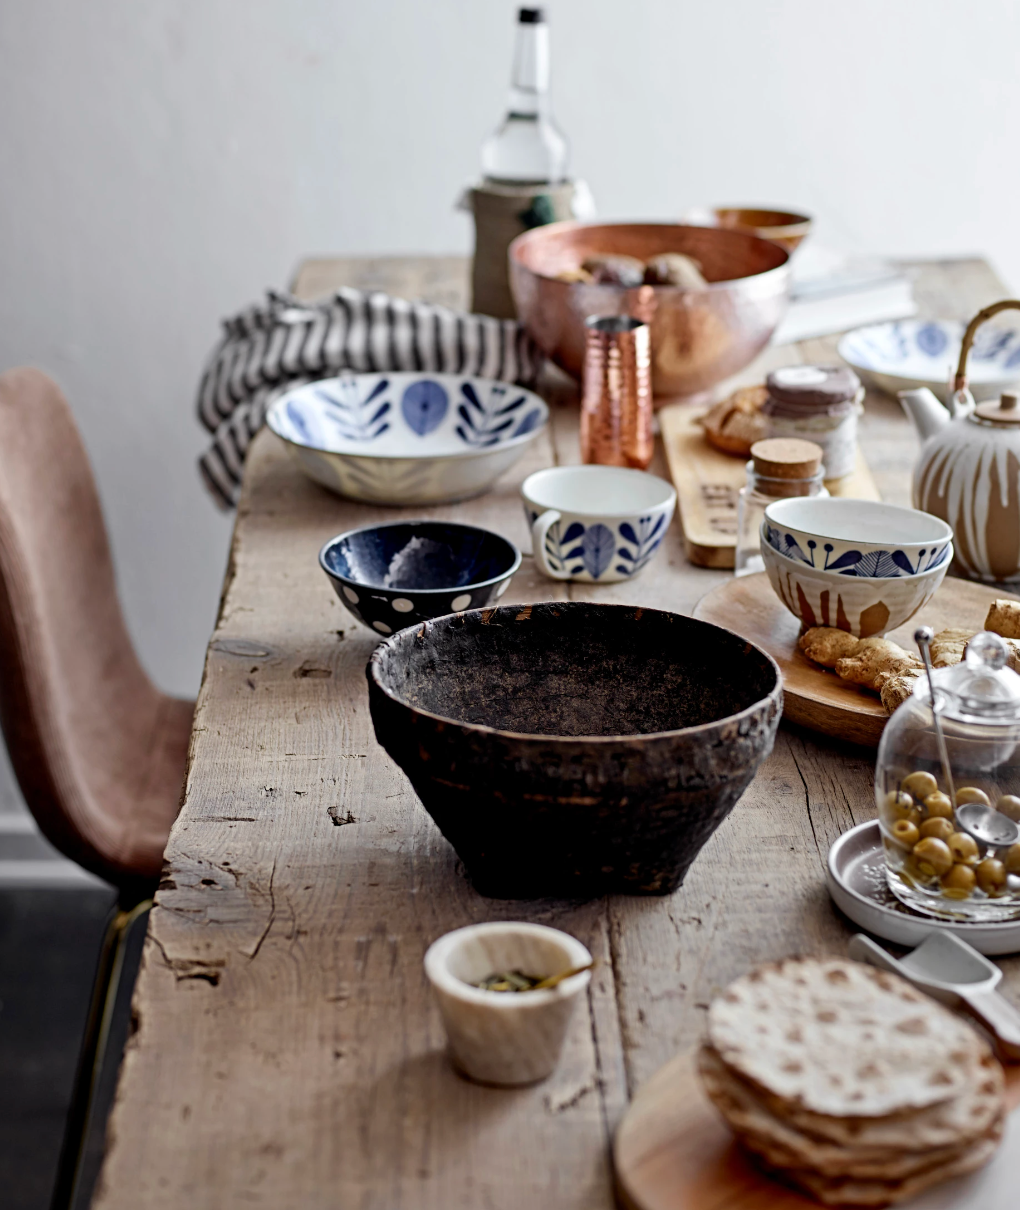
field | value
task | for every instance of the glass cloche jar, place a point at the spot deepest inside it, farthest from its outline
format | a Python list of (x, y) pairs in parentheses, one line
[(949, 803)]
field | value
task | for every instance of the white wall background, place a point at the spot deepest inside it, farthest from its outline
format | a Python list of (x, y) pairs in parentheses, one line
[(165, 160)]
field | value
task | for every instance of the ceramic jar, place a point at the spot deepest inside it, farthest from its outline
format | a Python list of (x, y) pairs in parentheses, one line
[(819, 404), (969, 475)]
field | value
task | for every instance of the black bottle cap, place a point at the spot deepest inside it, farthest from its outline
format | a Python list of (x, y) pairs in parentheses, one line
[(531, 16)]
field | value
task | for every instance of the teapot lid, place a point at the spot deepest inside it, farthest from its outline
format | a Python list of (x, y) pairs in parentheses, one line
[(1002, 411), (982, 686)]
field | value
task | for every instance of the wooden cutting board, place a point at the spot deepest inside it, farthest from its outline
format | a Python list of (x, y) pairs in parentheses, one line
[(816, 697), (707, 482), (674, 1152)]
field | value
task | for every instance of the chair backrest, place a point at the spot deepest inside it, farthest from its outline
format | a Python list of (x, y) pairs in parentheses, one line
[(79, 713)]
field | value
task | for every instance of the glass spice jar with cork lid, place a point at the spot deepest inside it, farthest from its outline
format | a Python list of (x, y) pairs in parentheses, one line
[(819, 404), (779, 467)]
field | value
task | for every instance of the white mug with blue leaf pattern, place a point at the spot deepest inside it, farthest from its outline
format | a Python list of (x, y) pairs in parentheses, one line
[(596, 524)]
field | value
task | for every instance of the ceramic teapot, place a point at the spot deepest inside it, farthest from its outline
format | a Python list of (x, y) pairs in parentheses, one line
[(969, 469)]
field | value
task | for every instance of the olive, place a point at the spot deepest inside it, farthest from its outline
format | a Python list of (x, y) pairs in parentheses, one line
[(932, 856), (900, 805), (991, 875), (921, 785), (938, 806), (1009, 805), (1013, 858), (972, 794), (906, 832), (959, 879), (964, 848), (938, 827)]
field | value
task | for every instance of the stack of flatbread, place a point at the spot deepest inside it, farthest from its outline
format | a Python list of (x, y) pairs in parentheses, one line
[(849, 1083)]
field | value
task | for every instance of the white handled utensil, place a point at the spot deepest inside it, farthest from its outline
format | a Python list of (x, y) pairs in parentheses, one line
[(952, 971)]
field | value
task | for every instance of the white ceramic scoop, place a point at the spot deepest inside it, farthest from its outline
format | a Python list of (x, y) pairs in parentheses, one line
[(950, 970)]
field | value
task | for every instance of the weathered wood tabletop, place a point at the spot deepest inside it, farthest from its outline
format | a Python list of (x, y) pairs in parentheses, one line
[(285, 1049)]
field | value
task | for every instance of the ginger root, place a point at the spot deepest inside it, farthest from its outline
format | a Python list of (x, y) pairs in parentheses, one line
[(894, 690), (1004, 618), (948, 646), (826, 644), (873, 657)]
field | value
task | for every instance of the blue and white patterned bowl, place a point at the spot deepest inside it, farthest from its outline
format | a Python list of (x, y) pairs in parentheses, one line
[(860, 538), (912, 353), (596, 524), (407, 438), (392, 576)]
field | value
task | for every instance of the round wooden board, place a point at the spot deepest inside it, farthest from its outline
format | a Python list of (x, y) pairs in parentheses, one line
[(674, 1152), (815, 697)]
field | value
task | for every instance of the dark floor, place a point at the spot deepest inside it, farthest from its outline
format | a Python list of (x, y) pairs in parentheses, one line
[(49, 943)]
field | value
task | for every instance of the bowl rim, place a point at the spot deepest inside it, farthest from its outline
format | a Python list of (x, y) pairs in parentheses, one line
[(1000, 375), (455, 588), (375, 659), (846, 500), (536, 233), (438, 953), (586, 469), (798, 223), (412, 455), (806, 568)]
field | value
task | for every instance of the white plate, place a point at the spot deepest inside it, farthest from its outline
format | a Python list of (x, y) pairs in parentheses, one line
[(407, 438), (912, 353), (855, 874)]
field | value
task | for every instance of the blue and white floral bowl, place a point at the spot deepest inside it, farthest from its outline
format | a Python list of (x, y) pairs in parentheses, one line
[(912, 353), (859, 538), (392, 576), (596, 524), (407, 438)]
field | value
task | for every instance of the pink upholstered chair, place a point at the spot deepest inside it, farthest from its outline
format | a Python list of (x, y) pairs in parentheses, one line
[(98, 751)]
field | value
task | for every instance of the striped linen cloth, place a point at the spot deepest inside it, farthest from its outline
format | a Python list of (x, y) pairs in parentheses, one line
[(282, 343)]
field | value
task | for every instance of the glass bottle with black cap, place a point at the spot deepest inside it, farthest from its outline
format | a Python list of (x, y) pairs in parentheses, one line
[(528, 148)]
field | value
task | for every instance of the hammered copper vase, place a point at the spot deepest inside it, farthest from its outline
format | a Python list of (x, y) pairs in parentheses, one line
[(616, 399)]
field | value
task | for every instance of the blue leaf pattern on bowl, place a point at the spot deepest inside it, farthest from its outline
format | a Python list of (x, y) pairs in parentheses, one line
[(483, 423), (597, 549), (874, 564), (931, 340), (424, 406), (593, 548), (349, 414)]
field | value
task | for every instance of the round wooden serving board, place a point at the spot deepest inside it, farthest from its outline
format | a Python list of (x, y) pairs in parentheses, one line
[(816, 697), (673, 1151)]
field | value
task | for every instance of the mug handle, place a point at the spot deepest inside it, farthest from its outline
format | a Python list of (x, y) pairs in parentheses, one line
[(539, 529)]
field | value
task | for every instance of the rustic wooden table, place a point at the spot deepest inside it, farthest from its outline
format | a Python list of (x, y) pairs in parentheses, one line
[(285, 1049)]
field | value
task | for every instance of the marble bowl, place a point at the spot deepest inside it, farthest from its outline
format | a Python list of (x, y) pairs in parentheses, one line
[(407, 438), (699, 337), (863, 605), (505, 1038), (858, 538), (572, 748), (913, 353), (392, 576)]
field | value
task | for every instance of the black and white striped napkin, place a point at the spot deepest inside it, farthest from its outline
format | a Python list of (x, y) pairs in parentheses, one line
[(281, 343)]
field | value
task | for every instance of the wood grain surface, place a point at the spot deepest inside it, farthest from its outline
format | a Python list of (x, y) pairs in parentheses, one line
[(285, 1050), (816, 697), (673, 1151), (708, 483)]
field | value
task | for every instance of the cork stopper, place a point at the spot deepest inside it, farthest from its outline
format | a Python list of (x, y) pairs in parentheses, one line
[(1004, 411), (786, 458)]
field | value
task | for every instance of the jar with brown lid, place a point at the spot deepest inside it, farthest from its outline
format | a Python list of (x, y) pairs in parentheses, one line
[(819, 404), (779, 467)]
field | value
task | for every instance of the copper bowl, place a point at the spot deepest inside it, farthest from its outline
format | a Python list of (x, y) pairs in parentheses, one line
[(781, 226), (699, 337)]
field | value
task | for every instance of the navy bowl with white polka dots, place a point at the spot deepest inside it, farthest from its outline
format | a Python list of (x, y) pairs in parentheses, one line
[(396, 575)]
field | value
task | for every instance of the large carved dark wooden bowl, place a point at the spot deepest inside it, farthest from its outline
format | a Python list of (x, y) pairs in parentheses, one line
[(571, 748)]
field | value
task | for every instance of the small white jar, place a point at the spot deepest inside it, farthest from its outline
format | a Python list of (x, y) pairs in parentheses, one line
[(505, 1038), (819, 404)]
